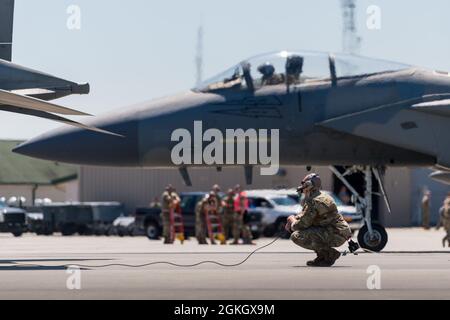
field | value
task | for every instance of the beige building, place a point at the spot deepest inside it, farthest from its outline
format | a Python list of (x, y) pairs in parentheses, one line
[(138, 187)]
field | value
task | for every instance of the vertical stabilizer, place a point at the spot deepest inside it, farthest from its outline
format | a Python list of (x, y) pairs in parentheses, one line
[(6, 28)]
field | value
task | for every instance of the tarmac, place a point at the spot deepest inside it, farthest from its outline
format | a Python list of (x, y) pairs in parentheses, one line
[(414, 265)]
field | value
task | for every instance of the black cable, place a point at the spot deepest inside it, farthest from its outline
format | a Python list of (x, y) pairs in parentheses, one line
[(166, 262)]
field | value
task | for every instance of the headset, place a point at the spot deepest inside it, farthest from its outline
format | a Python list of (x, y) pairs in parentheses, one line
[(309, 182)]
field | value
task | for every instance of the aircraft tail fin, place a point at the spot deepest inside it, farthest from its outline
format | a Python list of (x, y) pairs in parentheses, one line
[(6, 28)]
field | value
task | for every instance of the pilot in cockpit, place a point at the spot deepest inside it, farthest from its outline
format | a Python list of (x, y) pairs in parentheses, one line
[(269, 77), (294, 69)]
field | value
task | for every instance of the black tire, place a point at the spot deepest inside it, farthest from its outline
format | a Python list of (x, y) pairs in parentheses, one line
[(17, 233), (68, 230), (152, 231), (256, 235), (47, 232), (269, 231), (112, 232), (378, 243)]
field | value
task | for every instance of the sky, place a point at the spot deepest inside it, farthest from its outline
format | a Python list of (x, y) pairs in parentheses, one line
[(138, 50)]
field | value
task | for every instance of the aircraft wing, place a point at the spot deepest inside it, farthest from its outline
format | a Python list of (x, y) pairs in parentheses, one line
[(421, 127), (439, 107), (54, 117), (21, 101)]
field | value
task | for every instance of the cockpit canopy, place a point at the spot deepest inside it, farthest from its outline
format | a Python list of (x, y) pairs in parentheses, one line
[(295, 68)]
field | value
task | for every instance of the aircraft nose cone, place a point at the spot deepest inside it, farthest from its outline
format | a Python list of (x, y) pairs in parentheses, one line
[(78, 146)]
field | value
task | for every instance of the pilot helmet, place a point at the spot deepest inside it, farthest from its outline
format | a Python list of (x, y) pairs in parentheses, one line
[(294, 65), (266, 69)]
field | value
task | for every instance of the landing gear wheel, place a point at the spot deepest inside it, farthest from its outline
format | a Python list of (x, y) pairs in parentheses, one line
[(378, 240)]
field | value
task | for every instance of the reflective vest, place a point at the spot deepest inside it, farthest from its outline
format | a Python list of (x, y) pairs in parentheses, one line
[(241, 202)]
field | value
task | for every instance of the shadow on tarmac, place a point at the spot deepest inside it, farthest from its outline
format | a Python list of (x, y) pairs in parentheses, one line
[(27, 264)]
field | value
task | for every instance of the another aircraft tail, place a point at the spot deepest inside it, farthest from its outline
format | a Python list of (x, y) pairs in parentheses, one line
[(6, 28)]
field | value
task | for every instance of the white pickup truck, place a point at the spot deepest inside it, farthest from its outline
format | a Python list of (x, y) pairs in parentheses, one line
[(276, 205)]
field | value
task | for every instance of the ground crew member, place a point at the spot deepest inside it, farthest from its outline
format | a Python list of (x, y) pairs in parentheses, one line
[(319, 227), (208, 205), (155, 204), (216, 190), (200, 221), (228, 213), (445, 220), (170, 200), (240, 209), (426, 209)]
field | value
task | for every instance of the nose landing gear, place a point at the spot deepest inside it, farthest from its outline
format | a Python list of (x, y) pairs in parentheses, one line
[(371, 236)]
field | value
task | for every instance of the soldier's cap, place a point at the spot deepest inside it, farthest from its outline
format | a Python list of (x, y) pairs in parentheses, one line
[(216, 187)]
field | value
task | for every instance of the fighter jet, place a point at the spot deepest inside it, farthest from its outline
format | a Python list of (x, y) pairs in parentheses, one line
[(27, 91), (314, 108)]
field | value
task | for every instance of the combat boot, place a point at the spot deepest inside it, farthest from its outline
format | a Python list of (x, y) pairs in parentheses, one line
[(316, 262), (331, 257), (325, 258)]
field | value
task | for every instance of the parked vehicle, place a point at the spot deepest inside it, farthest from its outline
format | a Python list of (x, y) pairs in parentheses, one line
[(104, 215), (149, 219), (276, 206), (274, 209), (124, 226), (12, 220), (71, 218)]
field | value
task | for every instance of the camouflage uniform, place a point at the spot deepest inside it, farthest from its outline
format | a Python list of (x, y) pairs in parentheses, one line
[(228, 215), (200, 221), (239, 227), (273, 80), (168, 203), (203, 207), (445, 221), (155, 205), (320, 227)]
